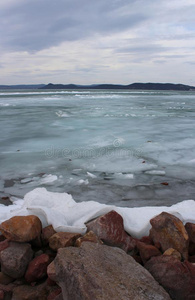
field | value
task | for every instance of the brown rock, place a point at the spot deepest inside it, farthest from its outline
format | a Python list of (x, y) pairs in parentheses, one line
[(95, 271), (190, 228), (173, 253), (47, 232), (21, 229), (2, 295), (62, 239), (6, 291), (3, 245), (37, 268), (5, 279), (178, 278), (109, 228), (88, 237), (54, 293), (27, 292), (170, 232), (147, 251), (192, 259), (146, 240), (51, 272), (15, 259)]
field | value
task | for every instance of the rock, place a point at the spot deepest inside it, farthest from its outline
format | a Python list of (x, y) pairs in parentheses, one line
[(109, 228), (178, 278), (51, 272), (15, 259), (37, 268), (54, 293), (190, 228), (27, 292), (21, 229), (170, 232), (173, 253), (88, 237), (191, 248), (47, 232), (3, 245), (6, 291), (95, 271), (146, 240), (5, 279), (62, 239), (192, 259), (2, 295), (147, 251)]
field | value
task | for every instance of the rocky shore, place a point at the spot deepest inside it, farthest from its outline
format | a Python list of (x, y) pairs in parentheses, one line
[(105, 263)]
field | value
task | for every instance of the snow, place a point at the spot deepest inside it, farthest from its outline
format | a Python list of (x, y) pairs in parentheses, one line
[(60, 210)]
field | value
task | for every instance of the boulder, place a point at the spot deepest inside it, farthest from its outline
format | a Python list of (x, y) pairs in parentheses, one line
[(15, 259), (37, 268), (27, 292), (190, 228), (88, 237), (5, 279), (21, 228), (95, 271), (51, 272), (178, 278), (169, 232), (54, 293), (62, 239), (110, 229), (3, 245), (47, 232), (6, 291), (147, 251)]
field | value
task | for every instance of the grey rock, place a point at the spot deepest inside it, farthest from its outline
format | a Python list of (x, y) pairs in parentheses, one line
[(95, 271), (15, 259)]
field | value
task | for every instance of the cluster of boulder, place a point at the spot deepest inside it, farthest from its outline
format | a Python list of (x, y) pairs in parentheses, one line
[(105, 263)]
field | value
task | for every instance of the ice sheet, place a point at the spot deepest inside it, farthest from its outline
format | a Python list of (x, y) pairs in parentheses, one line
[(60, 210)]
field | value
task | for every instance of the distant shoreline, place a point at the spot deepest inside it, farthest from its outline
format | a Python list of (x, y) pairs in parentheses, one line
[(133, 86)]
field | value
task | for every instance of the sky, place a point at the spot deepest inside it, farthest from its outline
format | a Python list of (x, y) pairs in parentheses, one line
[(97, 41)]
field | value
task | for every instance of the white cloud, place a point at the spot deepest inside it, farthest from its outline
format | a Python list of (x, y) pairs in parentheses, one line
[(96, 41)]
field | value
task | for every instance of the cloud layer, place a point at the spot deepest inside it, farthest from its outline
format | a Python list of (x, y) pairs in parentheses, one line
[(97, 41)]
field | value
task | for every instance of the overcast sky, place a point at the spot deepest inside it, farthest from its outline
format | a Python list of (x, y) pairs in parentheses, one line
[(97, 41)]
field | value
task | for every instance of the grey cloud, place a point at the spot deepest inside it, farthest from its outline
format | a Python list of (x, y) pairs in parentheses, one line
[(34, 25)]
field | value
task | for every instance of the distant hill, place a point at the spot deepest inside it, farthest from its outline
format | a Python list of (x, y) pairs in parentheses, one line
[(133, 86), (21, 86)]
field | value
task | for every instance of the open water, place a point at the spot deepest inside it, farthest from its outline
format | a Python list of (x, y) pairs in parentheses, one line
[(128, 148)]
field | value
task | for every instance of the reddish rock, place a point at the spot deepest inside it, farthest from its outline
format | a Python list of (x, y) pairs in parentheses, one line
[(63, 239), (27, 292), (51, 272), (15, 259), (54, 293), (178, 278), (5, 279), (173, 253), (47, 232), (2, 295), (100, 272), (6, 291), (147, 251), (146, 240), (37, 268), (3, 245), (191, 248), (109, 228), (88, 237), (192, 259), (170, 232), (190, 228), (21, 229), (164, 183)]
